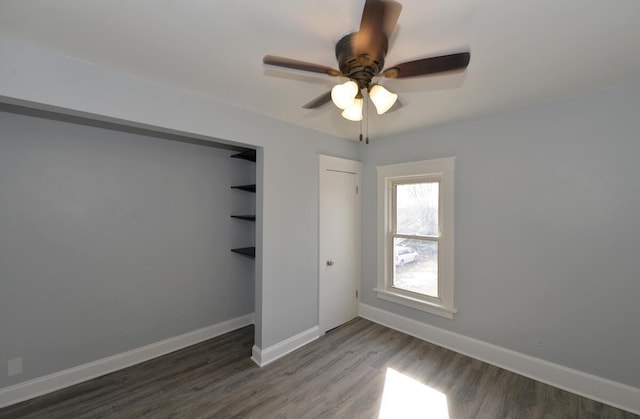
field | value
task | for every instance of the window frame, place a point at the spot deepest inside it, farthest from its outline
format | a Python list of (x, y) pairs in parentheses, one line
[(442, 171)]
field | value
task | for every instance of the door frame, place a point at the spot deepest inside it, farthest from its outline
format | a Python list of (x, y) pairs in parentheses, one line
[(339, 164)]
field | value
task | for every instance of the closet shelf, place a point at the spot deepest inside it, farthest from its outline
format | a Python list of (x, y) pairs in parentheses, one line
[(248, 188), (245, 155), (249, 252), (246, 251), (245, 217)]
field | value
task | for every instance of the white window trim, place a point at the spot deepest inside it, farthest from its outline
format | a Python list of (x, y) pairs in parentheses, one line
[(443, 170)]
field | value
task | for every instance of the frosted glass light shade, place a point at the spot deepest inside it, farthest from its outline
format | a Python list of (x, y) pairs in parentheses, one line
[(343, 94), (382, 98), (354, 112)]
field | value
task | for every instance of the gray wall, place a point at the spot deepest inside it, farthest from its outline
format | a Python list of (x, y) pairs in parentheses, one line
[(547, 235), (286, 264), (110, 241)]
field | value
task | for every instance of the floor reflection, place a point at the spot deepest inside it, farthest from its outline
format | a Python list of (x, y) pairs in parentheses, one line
[(403, 397)]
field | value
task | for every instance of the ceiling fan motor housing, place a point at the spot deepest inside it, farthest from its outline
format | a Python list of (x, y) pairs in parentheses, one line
[(360, 69)]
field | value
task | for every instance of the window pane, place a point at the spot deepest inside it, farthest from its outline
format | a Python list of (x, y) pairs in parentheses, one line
[(417, 208), (416, 266)]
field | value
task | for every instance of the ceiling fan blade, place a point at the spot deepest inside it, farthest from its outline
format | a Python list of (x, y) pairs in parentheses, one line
[(299, 65), (428, 66), (319, 101), (379, 19), (392, 11)]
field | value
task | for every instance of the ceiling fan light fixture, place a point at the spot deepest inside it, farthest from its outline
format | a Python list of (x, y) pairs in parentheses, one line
[(343, 95), (382, 99), (361, 58), (354, 112)]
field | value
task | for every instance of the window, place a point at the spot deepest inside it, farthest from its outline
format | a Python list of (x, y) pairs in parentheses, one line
[(415, 247)]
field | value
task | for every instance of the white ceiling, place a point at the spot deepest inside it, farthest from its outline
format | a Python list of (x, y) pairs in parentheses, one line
[(522, 51)]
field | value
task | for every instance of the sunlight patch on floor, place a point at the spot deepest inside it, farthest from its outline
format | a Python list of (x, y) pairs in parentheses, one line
[(404, 397)]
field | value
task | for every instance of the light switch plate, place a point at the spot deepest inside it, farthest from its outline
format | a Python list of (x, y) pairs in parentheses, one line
[(14, 367)]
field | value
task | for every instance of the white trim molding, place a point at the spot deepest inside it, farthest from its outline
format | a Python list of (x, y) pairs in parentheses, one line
[(266, 356), (56, 381), (596, 388), (389, 176), (417, 303)]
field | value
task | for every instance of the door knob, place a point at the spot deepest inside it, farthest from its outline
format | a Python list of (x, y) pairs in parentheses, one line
[(329, 263)]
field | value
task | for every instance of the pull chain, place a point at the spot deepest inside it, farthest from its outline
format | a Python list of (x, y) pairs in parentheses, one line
[(367, 116)]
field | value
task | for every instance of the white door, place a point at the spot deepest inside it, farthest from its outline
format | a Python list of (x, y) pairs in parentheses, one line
[(340, 253)]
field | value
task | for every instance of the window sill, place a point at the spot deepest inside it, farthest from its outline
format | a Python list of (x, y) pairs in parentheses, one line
[(418, 304)]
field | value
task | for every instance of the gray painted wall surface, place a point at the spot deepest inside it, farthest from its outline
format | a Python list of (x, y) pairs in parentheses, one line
[(547, 235), (286, 265), (111, 241)]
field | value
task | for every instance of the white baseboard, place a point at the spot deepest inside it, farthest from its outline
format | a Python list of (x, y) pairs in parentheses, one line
[(596, 388), (56, 381), (263, 357)]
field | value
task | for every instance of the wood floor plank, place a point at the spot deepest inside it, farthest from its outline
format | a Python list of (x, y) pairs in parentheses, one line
[(344, 374)]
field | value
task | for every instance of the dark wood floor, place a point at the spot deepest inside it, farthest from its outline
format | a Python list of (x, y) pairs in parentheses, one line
[(341, 375)]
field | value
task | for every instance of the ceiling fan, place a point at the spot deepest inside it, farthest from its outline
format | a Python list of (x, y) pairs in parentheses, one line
[(361, 55)]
